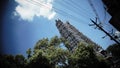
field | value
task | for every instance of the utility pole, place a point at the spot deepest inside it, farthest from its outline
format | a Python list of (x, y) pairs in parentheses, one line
[(97, 25)]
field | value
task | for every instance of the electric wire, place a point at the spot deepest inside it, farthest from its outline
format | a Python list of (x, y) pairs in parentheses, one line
[(71, 9), (94, 10), (63, 12), (71, 16), (78, 8), (104, 19)]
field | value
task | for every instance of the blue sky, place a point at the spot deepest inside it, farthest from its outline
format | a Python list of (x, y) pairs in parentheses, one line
[(24, 25)]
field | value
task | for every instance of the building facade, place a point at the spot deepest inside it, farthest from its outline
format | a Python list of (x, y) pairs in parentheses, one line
[(72, 35)]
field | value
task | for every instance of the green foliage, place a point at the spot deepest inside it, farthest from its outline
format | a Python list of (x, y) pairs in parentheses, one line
[(20, 61), (9, 61), (51, 50), (83, 57), (48, 54), (29, 52), (55, 41), (38, 61), (66, 43), (115, 50), (41, 44)]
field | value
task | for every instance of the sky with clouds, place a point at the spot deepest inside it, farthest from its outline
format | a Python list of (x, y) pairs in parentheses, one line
[(28, 9), (31, 20)]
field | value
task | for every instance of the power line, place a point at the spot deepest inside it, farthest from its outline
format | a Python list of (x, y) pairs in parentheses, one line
[(94, 10), (105, 24), (105, 16), (99, 25), (78, 7), (73, 17), (72, 9), (58, 10), (112, 38)]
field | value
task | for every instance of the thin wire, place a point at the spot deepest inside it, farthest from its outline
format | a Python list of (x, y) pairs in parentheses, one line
[(73, 8), (94, 10), (43, 4), (105, 17), (36, 3), (76, 5), (40, 4), (69, 15), (90, 2)]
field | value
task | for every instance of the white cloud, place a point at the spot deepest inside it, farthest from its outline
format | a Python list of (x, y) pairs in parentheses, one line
[(28, 9)]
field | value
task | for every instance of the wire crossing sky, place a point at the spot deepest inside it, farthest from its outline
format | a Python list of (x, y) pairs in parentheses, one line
[(31, 20)]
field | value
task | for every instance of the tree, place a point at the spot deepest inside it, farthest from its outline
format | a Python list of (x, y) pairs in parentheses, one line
[(83, 57), (41, 45), (50, 49), (48, 54), (7, 61), (20, 61), (29, 53), (38, 61), (55, 41), (115, 50)]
